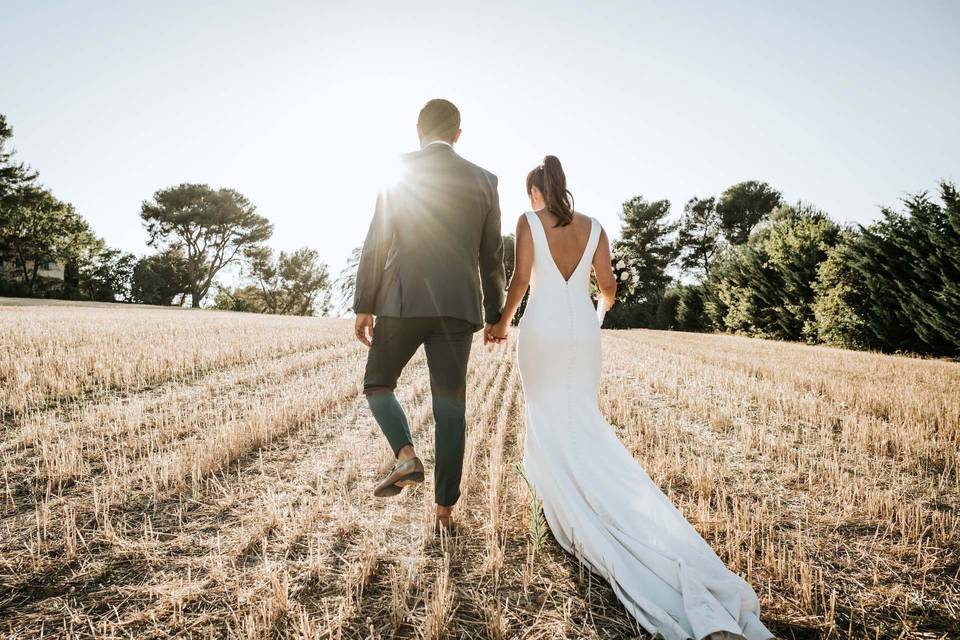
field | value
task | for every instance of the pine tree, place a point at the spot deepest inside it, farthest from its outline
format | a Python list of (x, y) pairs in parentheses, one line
[(641, 256), (743, 206), (699, 235)]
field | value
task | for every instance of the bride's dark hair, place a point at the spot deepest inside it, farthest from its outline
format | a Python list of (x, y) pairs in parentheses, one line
[(552, 183)]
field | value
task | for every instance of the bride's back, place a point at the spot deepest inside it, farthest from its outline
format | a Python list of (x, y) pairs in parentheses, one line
[(557, 251), (566, 243)]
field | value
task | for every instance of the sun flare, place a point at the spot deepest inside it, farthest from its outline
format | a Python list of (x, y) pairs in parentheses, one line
[(389, 172)]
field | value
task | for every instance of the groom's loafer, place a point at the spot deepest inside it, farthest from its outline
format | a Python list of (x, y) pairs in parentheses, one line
[(403, 474)]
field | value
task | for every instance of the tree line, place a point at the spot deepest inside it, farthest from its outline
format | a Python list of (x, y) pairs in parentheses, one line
[(748, 262), (196, 232), (744, 261)]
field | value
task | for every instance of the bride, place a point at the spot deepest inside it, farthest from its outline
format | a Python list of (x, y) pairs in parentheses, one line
[(600, 504)]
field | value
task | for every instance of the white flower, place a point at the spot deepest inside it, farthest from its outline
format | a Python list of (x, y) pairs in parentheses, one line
[(636, 278), (621, 264), (624, 276)]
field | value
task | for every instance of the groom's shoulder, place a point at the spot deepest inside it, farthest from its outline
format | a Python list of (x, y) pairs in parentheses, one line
[(410, 157), (416, 159), (489, 176)]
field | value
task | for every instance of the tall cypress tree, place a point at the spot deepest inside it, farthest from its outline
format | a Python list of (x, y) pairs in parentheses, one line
[(906, 292), (765, 286)]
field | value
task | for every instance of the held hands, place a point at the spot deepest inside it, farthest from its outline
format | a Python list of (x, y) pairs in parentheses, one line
[(496, 333), (363, 328), (492, 333)]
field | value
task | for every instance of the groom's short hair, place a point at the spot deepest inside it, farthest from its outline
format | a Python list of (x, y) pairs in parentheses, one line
[(439, 120)]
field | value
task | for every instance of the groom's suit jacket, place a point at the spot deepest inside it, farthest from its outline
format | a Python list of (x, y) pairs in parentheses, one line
[(434, 243)]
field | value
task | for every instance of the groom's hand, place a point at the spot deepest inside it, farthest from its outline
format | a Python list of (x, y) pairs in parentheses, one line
[(363, 327), (488, 334)]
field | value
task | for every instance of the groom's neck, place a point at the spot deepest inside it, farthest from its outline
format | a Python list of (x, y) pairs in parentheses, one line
[(424, 143)]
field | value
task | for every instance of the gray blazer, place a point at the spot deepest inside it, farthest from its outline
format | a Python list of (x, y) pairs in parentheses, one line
[(434, 243)]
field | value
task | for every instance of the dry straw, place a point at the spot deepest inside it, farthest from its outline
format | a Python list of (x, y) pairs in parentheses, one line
[(171, 474)]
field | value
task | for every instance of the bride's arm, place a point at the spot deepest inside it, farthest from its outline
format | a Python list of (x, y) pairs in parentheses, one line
[(602, 267), (520, 281)]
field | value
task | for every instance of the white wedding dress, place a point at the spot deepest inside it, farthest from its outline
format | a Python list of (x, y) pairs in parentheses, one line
[(600, 504)]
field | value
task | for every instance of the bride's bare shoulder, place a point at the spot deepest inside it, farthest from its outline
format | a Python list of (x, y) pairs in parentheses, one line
[(582, 219), (523, 226)]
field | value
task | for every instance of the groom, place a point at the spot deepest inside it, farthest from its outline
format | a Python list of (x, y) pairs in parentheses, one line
[(433, 246)]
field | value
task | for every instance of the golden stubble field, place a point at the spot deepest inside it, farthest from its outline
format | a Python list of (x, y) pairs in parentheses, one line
[(168, 473)]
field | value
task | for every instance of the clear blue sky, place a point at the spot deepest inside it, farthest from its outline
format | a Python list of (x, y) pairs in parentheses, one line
[(849, 105)]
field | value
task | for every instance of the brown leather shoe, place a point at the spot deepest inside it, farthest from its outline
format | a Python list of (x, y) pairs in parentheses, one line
[(404, 474)]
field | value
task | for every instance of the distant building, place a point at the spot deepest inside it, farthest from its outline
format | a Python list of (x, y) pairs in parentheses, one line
[(48, 270)]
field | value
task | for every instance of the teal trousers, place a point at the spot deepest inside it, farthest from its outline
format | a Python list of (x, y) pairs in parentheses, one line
[(446, 342)]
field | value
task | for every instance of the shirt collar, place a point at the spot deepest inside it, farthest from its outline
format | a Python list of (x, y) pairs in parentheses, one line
[(438, 142)]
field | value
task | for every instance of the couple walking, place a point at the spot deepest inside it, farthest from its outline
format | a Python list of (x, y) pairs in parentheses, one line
[(431, 273)]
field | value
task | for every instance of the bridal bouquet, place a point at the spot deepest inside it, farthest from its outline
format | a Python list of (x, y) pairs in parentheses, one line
[(628, 277), (625, 269)]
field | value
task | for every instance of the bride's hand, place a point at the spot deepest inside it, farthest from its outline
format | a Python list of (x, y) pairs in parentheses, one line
[(500, 331)]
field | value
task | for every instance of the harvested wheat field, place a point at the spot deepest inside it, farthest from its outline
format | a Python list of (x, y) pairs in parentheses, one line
[(169, 473)]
